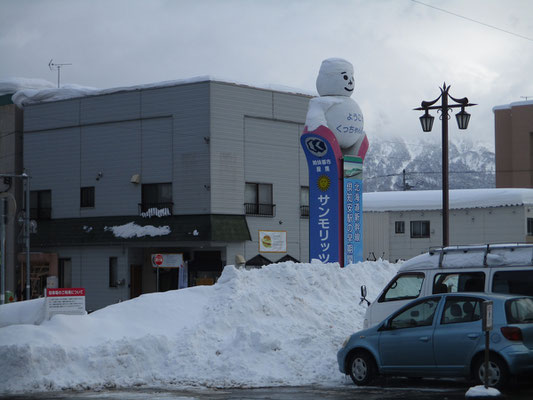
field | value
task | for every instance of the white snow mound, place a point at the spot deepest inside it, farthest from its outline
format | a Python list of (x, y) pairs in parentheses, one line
[(279, 325)]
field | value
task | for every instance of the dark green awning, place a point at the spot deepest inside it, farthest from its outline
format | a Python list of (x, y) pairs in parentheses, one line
[(103, 230)]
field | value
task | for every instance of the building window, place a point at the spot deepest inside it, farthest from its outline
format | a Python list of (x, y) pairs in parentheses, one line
[(258, 199), (419, 229), (87, 196), (113, 272), (157, 196), (65, 273), (399, 227), (41, 204), (304, 201), (530, 226)]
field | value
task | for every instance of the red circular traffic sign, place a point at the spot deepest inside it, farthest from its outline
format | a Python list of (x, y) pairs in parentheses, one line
[(158, 259)]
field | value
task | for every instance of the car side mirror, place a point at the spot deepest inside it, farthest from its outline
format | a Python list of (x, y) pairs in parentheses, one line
[(385, 326), (363, 296)]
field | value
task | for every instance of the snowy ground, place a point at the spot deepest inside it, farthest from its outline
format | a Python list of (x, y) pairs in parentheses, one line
[(279, 325)]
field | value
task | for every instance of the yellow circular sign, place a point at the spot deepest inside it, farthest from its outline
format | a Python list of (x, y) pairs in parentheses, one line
[(323, 183)]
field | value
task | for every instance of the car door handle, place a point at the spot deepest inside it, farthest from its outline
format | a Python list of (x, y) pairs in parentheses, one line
[(424, 338), (473, 335)]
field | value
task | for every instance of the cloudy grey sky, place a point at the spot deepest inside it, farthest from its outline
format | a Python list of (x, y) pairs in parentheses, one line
[(402, 50)]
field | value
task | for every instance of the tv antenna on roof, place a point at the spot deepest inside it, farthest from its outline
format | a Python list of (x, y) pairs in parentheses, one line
[(526, 97), (57, 66)]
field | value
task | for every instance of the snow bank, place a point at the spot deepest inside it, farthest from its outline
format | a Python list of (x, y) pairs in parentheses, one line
[(481, 391), (22, 312), (279, 325)]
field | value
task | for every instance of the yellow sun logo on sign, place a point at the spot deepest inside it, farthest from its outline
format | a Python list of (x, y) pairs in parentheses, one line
[(323, 183)]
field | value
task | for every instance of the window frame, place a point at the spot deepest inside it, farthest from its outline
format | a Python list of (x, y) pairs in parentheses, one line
[(152, 196), (429, 322), (304, 205), (113, 272), (87, 196), (457, 299), (383, 298), (255, 206), (442, 276), (399, 227), (65, 272), (38, 210), (422, 234), (519, 287)]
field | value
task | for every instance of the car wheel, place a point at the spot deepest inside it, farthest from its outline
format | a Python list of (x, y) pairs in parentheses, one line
[(498, 374), (362, 368)]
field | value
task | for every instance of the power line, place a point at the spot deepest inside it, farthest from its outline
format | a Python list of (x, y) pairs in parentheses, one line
[(473, 20)]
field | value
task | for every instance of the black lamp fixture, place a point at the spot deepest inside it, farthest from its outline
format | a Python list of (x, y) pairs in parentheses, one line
[(426, 121), (462, 119)]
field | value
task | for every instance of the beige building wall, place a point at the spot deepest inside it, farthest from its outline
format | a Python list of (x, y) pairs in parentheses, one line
[(513, 125)]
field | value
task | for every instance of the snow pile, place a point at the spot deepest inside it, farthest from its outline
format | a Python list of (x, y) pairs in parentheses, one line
[(131, 229), (22, 312), (481, 391), (279, 325)]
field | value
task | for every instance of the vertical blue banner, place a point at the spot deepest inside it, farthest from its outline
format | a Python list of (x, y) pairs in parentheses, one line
[(353, 209), (325, 220)]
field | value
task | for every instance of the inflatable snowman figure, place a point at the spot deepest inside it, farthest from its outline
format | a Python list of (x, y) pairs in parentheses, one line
[(335, 109)]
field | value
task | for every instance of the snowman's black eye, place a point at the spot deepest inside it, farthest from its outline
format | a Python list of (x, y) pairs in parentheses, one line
[(345, 77)]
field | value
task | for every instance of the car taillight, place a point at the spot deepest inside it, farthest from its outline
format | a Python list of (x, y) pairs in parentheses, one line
[(511, 333)]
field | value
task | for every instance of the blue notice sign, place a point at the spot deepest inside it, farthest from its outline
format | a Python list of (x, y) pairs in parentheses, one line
[(353, 209), (325, 225)]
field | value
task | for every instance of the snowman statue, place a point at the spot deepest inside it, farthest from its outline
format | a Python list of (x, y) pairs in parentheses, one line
[(335, 109), (335, 144)]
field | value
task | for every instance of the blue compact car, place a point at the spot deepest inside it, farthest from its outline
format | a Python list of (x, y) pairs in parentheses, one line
[(442, 336)]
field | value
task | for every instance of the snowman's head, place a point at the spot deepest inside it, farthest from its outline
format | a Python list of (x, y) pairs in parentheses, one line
[(335, 78)]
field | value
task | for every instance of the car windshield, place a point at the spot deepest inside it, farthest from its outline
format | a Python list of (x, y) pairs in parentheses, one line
[(519, 311)]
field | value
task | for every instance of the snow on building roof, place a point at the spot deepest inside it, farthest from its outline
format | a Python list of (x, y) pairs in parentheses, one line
[(32, 91), (432, 199), (515, 104)]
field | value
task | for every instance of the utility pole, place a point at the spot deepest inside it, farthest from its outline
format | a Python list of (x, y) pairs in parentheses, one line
[(3, 214), (3, 222), (406, 186)]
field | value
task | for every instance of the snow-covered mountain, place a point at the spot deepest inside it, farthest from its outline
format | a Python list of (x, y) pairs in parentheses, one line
[(471, 165)]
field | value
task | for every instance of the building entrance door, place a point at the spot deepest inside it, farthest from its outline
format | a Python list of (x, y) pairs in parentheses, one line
[(136, 275)]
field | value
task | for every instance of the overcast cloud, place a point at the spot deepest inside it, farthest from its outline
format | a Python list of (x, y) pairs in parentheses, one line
[(402, 51)]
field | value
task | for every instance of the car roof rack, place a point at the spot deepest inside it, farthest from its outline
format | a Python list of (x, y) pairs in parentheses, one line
[(486, 248)]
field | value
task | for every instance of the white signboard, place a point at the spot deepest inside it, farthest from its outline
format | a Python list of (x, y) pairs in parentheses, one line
[(273, 241), (65, 301), (174, 260)]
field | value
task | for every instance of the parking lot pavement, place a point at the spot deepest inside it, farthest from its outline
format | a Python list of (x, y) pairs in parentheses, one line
[(384, 389)]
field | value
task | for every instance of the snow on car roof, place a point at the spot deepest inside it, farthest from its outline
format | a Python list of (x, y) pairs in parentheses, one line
[(477, 256)]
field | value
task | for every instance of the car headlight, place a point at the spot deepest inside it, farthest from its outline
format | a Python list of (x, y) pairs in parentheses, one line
[(346, 341)]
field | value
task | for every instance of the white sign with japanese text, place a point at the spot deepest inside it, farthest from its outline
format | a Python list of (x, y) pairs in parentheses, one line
[(69, 301)]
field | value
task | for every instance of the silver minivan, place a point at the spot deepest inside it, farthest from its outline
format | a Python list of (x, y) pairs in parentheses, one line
[(499, 268)]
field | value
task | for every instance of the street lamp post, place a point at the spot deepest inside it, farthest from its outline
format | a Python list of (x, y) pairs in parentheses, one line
[(426, 121)]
